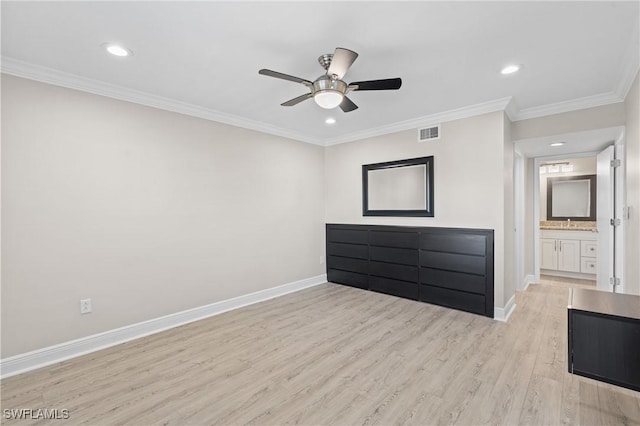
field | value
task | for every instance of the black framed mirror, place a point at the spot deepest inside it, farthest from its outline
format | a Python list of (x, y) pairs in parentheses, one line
[(571, 197), (398, 188)]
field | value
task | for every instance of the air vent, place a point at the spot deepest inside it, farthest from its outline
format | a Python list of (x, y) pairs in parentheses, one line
[(429, 133)]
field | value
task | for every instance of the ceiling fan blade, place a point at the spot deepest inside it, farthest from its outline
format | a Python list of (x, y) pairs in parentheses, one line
[(347, 105), (386, 84), (276, 74), (341, 62), (297, 100)]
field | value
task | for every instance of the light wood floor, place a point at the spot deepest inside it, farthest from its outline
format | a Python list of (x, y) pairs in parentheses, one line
[(336, 355)]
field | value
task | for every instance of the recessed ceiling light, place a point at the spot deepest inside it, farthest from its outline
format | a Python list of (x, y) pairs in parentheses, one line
[(330, 120), (117, 50), (510, 69), (556, 144)]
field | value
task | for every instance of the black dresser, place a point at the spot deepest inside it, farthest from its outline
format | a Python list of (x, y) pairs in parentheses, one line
[(451, 267)]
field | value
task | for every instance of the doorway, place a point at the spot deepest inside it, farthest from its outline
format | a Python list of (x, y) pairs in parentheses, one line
[(575, 254), (568, 239)]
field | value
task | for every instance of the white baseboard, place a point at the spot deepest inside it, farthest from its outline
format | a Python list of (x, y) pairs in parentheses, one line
[(563, 274), (503, 314), (50, 355), (529, 279)]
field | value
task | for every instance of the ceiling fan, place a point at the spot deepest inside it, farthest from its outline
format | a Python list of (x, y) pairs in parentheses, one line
[(329, 90)]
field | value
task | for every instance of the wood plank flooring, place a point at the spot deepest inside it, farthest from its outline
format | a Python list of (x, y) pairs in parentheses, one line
[(336, 355)]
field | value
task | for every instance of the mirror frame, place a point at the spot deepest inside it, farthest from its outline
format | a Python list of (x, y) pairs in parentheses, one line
[(592, 197), (426, 212)]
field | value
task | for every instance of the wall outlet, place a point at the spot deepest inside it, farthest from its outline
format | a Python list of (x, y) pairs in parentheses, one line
[(85, 306)]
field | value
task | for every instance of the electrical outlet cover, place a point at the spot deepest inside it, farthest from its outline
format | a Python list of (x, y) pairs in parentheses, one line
[(85, 306)]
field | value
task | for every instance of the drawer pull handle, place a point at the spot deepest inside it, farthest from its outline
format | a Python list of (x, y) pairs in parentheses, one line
[(592, 249)]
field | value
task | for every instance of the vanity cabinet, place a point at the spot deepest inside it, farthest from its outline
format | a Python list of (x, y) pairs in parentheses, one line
[(560, 255), (569, 253)]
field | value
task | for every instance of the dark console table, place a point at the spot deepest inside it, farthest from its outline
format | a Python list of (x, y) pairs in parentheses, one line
[(451, 267), (604, 336)]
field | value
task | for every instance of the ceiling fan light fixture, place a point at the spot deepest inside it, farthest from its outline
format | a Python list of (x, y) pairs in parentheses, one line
[(328, 92), (328, 99)]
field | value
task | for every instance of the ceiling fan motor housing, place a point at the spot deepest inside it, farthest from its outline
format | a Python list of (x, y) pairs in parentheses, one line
[(326, 83)]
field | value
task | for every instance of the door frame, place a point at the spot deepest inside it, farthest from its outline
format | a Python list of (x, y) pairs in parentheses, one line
[(519, 200), (620, 206), (537, 149)]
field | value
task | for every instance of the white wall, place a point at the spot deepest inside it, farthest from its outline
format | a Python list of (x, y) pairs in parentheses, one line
[(601, 117), (581, 166), (146, 212), (632, 261), (469, 176)]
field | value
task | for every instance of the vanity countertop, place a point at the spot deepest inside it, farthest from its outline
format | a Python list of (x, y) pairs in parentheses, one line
[(557, 225), (565, 228)]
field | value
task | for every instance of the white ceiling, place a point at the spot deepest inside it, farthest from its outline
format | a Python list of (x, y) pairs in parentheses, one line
[(203, 58)]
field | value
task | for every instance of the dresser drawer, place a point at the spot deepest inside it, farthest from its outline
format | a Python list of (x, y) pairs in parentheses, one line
[(588, 248), (588, 265)]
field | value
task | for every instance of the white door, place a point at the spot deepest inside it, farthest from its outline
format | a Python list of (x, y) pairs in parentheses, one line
[(619, 208), (604, 214)]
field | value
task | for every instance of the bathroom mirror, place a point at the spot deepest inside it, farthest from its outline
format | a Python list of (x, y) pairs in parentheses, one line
[(398, 188), (571, 197)]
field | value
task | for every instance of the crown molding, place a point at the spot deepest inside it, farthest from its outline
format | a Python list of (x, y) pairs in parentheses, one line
[(72, 81), (511, 110), (508, 105), (441, 117), (627, 80)]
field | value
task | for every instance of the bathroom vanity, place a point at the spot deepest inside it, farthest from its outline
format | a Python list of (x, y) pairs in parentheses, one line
[(568, 236), (569, 252)]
